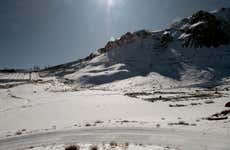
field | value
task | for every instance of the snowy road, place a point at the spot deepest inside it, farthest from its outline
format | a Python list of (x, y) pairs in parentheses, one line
[(179, 139)]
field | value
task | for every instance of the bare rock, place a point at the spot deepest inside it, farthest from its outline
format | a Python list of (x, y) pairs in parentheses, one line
[(227, 104)]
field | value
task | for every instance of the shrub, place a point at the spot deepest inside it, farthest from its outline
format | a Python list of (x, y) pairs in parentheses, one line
[(227, 104), (18, 133), (179, 123), (73, 147), (209, 102), (113, 144), (225, 112), (99, 121), (193, 124), (183, 123), (88, 125), (93, 147)]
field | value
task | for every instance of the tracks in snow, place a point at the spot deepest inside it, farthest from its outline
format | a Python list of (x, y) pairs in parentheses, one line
[(181, 139)]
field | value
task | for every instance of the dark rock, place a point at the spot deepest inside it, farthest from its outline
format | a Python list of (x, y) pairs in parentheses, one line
[(227, 104), (206, 30), (166, 39), (217, 118)]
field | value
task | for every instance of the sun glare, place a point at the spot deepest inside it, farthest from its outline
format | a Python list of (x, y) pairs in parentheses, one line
[(110, 3)]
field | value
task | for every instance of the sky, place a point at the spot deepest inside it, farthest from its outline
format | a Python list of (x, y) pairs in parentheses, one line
[(51, 32)]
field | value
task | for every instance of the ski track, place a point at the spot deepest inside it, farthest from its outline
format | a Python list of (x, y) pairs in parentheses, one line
[(179, 139)]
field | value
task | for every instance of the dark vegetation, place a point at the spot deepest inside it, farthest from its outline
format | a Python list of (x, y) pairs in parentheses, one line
[(113, 144), (72, 147), (12, 70), (179, 123), (182, 96), (177, 105), (223, 115), (227, 104), (93, 147), (18, 133), (33, 69), (209, 102)]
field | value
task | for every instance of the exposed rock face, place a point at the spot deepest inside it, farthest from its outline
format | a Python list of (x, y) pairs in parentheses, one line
[(202, 16), (111, 45), (205, 30), (166, 39), (125, 39), (202, 29), (91, 56), (183, 54)]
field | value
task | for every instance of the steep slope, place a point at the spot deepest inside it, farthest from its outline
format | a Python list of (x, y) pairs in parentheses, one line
[(192, 52)]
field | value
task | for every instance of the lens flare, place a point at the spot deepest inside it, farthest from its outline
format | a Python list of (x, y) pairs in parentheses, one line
[(110, 6), (110, 3)]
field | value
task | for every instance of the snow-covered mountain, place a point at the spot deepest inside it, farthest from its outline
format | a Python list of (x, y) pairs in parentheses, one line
[(144, 82), (192, 52)]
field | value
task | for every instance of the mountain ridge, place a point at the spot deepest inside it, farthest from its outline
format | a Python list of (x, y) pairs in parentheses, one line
[(192, 52)]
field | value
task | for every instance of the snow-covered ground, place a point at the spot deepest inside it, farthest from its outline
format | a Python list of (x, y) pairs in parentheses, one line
[(102, 147), (144, 79), (38, 108)]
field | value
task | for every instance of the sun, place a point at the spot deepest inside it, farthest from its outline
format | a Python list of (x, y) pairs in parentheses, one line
[(111, 3)]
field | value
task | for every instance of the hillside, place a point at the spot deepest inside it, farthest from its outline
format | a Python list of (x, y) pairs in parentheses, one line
[(167, 89), (192, 52)]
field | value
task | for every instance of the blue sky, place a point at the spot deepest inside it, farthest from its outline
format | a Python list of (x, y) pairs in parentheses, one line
[(51, 32)]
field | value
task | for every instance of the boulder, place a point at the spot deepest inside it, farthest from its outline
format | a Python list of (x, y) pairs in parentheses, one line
[(227, 104)]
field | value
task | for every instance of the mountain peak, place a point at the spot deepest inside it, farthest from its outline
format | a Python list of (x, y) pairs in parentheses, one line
[(179, 55)]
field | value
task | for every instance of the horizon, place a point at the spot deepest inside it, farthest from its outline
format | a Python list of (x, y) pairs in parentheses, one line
[(52, 32)]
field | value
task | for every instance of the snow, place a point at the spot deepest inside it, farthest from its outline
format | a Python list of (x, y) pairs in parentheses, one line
[(149, 64), (33, 107), (103, 147), (196, 24), (144, 82), (184, 36)]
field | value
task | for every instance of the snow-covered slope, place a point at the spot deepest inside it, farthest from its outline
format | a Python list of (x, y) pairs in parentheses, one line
[(40, 108), (192, 52)]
